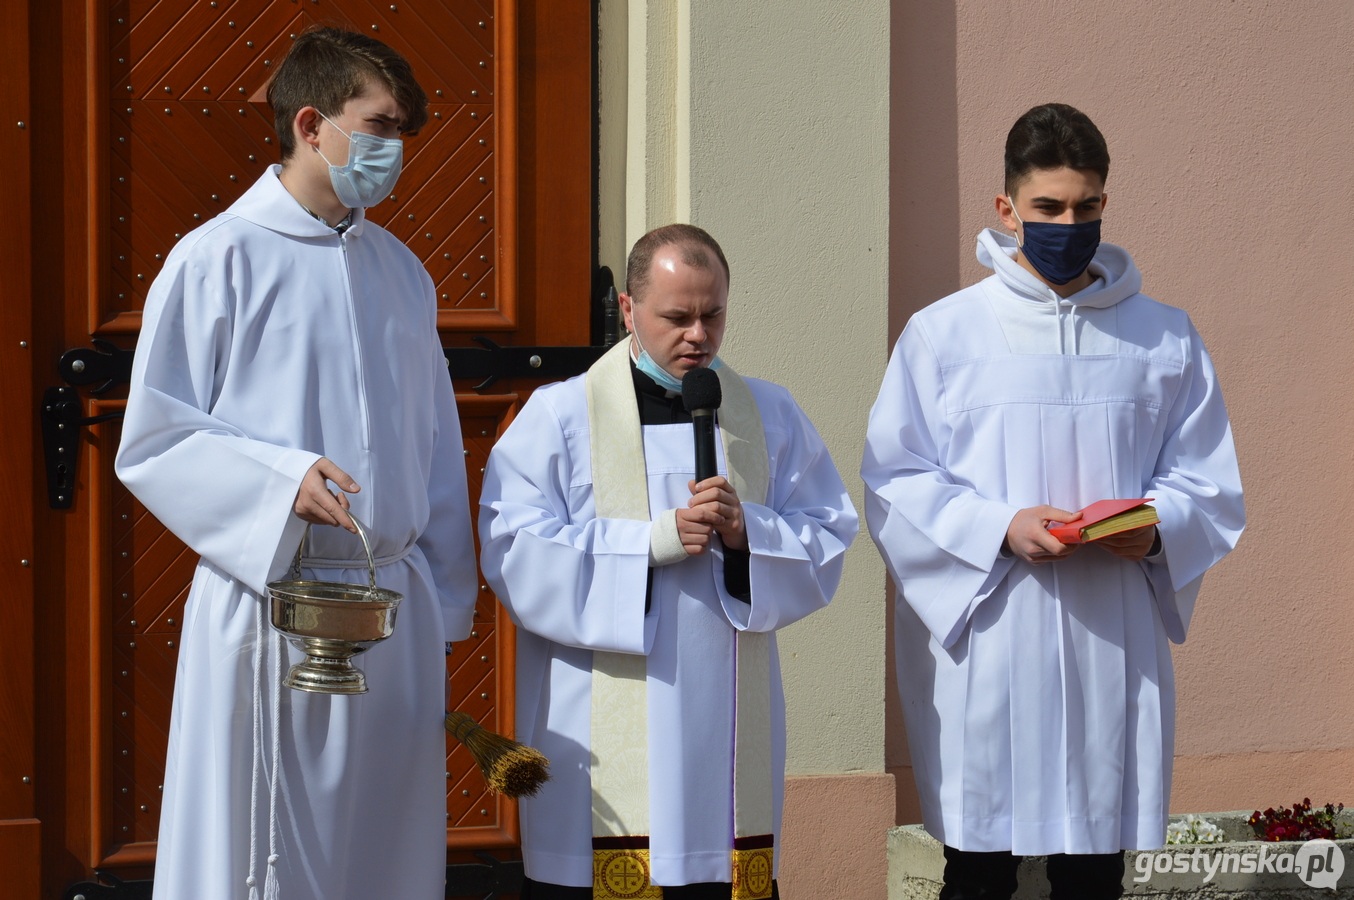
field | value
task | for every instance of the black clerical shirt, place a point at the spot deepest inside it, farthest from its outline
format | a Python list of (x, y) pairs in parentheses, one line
[(658, 406)]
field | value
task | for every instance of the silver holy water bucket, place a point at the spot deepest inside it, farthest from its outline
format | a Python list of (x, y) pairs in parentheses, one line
[(331, 622)]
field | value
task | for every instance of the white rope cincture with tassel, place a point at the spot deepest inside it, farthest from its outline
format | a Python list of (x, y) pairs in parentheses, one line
[(271, 890), (257, 760)]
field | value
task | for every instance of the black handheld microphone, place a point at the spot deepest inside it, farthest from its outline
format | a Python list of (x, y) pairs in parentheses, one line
[(702, 394)]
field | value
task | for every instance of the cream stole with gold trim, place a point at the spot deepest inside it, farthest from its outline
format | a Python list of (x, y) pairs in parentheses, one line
[(620, 738)]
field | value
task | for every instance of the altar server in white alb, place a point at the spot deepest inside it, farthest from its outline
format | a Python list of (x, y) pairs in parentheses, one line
[(289, 343), (646, 602), (1036, 676)]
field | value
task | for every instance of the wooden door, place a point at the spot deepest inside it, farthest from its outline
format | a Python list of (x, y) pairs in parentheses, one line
[(147, 118), (20, 828)]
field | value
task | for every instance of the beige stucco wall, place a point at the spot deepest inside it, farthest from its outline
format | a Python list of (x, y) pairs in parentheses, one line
[(767, 124), (778, 148), (789, 168), (1230, 131)]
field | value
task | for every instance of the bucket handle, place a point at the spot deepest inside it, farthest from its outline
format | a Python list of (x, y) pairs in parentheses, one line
[(366, 545)]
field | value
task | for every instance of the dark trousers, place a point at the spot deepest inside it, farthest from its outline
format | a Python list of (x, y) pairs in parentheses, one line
[(992, 876), (539, 890)]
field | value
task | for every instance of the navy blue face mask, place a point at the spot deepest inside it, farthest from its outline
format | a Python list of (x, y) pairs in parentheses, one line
[(1058, 251)]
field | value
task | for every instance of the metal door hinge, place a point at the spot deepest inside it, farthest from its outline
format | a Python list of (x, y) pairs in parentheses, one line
[(105, 362), (495, 361)]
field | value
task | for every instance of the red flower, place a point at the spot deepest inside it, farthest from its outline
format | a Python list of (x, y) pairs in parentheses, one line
[(1300, 822)]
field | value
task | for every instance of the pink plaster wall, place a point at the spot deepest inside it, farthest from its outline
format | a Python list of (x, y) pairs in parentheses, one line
[(1231, 130), (834, 836)]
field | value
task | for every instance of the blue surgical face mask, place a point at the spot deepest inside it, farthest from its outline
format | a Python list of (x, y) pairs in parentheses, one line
[(1058, 251), (661, 376), (371, 172)]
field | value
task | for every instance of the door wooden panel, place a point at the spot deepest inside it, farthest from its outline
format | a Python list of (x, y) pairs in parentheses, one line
[(189, 132), (153, 120), (20, 830), (482, 668)]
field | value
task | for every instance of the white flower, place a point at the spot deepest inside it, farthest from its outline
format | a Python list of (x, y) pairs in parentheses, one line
[(1193, 829)]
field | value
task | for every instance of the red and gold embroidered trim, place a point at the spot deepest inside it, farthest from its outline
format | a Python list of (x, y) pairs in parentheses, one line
[(753, 865), (620, 869)]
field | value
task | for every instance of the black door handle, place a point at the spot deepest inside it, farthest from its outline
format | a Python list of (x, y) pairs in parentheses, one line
[(61, 423)]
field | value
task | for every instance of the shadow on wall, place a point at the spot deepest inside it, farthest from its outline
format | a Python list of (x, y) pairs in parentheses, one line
[(924, 165), (924, 226)]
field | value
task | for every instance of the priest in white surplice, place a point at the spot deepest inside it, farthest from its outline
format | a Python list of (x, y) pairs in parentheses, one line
[(1035, 676), (646, 667), (286, 342)]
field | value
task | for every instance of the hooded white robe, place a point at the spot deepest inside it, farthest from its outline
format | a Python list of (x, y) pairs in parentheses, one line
[(269, 341), (574, 583), (1039, 700)]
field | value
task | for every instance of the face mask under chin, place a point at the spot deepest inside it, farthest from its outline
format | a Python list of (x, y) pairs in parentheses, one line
[(661, 376)]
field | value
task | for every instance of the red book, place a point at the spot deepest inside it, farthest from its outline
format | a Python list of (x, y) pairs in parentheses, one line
[(1104, 518)]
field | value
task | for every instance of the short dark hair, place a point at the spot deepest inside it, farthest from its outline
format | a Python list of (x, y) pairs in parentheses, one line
[(1054, 136), (693, 241), (327, 67)]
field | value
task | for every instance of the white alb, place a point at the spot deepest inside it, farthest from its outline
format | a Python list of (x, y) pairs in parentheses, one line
[(575, 583), (1039, 700), (269, 341)]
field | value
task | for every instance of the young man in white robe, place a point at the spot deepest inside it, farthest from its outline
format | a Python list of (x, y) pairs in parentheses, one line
[(289, 343), (1036, 676), (646, 602)]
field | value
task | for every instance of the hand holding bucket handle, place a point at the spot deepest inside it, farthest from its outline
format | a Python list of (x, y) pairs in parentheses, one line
[(366, 545), (316, 504)]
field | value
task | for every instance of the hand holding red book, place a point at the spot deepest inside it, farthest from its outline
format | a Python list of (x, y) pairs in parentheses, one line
[(1104, 518)]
